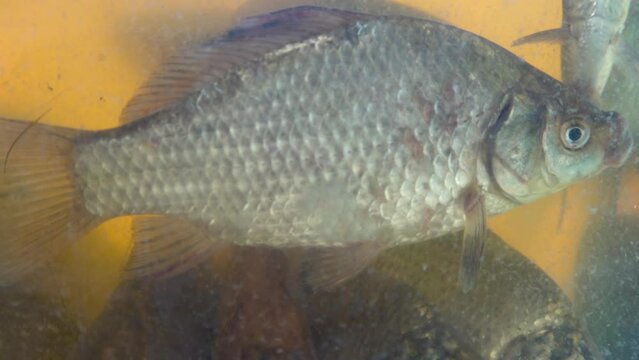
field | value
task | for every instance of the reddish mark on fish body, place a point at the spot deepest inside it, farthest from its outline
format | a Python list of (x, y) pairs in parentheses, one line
[(150, 145), (428, 216), (470, 199), (423, 104), (377, 191), (615, 39), (427, 112), (452, 103), (415, 147), (450, 124), (448, 92)]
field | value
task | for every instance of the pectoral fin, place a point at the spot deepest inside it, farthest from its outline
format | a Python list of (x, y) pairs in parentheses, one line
[(474, 237), (164, 246), (552, 35)]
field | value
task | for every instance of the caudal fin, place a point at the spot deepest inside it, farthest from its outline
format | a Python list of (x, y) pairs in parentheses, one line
[(39, 209)]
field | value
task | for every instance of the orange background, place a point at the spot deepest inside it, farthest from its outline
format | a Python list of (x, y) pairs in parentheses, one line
[(83, 59)]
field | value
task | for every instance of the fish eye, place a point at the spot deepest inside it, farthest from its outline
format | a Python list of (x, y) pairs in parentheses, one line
[(575, 134)]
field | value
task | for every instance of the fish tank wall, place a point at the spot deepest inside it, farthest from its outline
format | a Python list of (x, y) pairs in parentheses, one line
[(558, 279)]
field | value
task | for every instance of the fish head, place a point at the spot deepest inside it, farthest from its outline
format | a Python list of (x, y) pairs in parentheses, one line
[(541, 144), (581, 140)]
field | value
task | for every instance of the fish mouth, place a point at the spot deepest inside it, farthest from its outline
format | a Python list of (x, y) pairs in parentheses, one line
[(620, 146)]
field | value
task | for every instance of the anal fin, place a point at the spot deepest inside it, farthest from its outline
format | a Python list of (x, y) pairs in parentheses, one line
[(327, 268), (164, 246), (474, 238)]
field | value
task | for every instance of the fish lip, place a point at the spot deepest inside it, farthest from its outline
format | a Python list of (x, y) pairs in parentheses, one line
[(620, 146)]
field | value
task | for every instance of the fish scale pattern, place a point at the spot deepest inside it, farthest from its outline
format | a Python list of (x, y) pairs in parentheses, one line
[(358, 135)]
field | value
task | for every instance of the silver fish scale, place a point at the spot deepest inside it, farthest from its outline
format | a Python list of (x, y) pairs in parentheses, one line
[(347, 139)]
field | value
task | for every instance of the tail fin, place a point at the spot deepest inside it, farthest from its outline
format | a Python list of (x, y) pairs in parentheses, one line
[(39, 208)]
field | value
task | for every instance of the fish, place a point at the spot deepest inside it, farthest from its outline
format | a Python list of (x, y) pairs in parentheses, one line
[(590, 36), (308, 128)]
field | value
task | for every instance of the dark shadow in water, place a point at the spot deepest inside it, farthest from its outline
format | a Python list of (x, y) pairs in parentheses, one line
[(157, 320), (34, 327), (406, 306)]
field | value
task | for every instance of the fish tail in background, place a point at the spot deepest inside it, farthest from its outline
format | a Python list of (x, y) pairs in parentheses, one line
[(39, 207)]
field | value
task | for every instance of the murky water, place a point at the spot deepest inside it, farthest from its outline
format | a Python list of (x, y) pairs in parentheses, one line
[(554, 284)]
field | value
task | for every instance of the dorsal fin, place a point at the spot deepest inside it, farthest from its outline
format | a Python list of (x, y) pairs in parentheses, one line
[(189, 70)]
